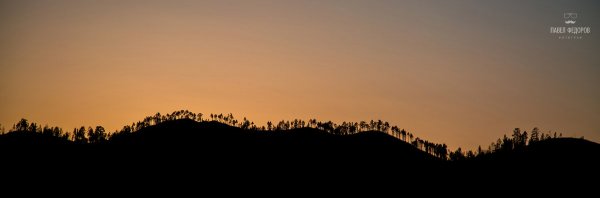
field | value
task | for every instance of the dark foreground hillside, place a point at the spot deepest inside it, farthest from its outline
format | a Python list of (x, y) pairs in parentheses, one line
[(212, 149), (188, 141)]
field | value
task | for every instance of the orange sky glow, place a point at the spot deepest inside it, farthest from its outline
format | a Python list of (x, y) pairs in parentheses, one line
[(459, 73)]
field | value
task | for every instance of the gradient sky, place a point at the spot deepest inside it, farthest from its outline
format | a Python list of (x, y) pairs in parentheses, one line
[(463, 73)]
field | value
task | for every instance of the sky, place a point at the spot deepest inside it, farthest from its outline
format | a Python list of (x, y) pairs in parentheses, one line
[(462, 73)]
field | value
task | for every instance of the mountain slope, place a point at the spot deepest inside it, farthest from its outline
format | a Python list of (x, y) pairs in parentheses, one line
[(189, 136), (211, 148)]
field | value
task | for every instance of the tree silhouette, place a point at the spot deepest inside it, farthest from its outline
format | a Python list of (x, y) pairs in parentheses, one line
[(90, 134), (386, 127), (535, 132), (444, 151), (96, 136), (523, 139), (519, 139), (200, 117), (126, 129), (457, 155), (507, 144), (79, 135), (403, 133), (516, 137), (33, 127), (22, 125)]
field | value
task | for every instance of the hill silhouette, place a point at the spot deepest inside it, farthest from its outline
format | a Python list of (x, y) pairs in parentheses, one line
[(188, 133), (296, 146), (185, 143), (551, 150)]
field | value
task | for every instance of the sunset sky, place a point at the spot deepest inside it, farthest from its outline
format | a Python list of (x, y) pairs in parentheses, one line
[(463, 73)]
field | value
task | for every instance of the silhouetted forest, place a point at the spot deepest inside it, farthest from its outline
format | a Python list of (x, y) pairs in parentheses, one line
[(98, 135), (25, 132), (186, 141)]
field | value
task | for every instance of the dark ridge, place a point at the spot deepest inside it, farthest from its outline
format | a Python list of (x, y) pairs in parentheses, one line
[(184, 146), (189, 136), (555, 150)]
